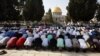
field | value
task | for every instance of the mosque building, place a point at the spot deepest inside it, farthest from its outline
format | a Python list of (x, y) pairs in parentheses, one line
[(57, 16)]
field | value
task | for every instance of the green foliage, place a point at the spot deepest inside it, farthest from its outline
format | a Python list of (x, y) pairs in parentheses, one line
[(7, 10), (82, 10), (33, 10), (50, 15), (98, 12)]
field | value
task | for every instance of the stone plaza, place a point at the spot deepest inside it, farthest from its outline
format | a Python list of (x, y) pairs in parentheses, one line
[(31, 52)]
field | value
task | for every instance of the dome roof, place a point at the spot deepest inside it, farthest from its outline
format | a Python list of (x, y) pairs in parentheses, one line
[(56, 9)]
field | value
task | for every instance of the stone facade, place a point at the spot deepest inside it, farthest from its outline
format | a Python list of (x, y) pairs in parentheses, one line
[(57, 16)]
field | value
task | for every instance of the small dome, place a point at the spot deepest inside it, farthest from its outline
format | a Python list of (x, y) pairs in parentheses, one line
[(56, 9)]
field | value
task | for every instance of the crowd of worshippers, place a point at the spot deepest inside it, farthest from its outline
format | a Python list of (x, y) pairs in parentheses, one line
[(53, 38)]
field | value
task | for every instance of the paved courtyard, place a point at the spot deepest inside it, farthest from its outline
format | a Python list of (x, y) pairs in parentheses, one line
[(46, 53)]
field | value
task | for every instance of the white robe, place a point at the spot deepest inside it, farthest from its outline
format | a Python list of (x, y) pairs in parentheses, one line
[(82, 43), (28, 41)]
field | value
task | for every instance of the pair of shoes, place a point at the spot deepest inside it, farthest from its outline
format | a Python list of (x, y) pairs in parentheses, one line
[(3, 52)]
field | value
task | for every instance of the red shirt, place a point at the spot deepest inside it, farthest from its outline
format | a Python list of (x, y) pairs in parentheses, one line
[(12, 42), (20, 42)]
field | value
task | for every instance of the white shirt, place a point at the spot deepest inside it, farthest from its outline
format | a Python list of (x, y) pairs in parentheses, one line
[(58, 33), (78, 33), (45, 42), (90, 32), (86, 37), (68, 42), (29, 33), (4, 41), (43, 36), (71, 31), (1, 37), (36, 36), (41, 32), (74, 32), (54, 31)]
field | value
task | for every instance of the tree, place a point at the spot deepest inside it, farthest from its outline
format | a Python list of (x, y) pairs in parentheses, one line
[(2, 9), (98, 12), (50, 16), (11, 9), (33, 10), (7, 10), (11, 12), (82, 10)]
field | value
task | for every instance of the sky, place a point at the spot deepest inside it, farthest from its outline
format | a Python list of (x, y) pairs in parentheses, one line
[(56, 3), (98, 1)]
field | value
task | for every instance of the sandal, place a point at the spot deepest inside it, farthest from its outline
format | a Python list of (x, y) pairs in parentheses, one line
[(3, 52)]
